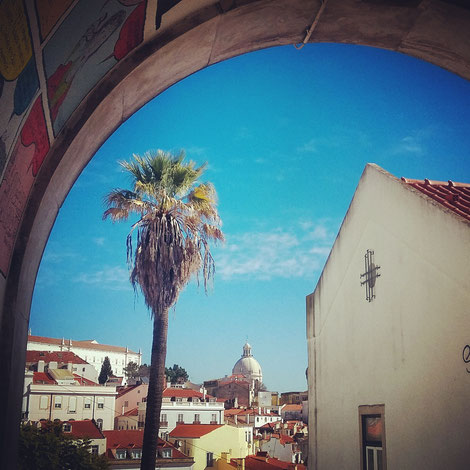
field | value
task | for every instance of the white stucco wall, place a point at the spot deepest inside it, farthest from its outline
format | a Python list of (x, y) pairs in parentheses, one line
[(93, 356), (46, 409), (403, 349)]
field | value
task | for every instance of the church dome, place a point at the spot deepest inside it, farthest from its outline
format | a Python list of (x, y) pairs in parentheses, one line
[(248, 366)]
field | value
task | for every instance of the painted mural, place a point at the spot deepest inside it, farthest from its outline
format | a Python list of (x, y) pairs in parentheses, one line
[(49, 12), (88, 43), (162, 7), (26, 159), (19, 81)]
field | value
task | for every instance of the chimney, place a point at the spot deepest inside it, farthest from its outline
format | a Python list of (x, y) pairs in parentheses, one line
[(69, 366), (236, 419), (53, 365), (40, 365)]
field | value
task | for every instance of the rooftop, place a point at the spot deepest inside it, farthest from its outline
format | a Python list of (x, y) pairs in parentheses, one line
[(54, 356), (193, 430), (86, 344), (453, 196)]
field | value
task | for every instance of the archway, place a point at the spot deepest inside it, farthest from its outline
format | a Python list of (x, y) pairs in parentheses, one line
[(190, 36)]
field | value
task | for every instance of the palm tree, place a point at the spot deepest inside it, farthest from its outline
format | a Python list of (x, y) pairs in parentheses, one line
[(177, 217)]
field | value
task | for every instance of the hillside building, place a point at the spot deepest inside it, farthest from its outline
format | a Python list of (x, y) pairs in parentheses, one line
[(90, 351)]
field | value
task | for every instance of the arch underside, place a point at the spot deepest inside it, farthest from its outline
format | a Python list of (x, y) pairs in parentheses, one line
[(193, 35)]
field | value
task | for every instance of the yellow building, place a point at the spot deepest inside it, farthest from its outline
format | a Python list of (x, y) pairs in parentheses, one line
[(206, 443)]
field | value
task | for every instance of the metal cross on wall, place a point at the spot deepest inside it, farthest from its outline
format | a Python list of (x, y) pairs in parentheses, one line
[(370, 275)]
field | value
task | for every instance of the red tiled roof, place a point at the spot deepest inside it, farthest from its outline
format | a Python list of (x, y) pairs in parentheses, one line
[(54, 356), (83, 381), (88, 344), (183, 393), (132, 439), (84, 429), (193, 430), (292, 408), (132, 412), (453, 196), (42, 378)]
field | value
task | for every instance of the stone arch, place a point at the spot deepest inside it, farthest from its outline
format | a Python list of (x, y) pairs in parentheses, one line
[(179, 40)]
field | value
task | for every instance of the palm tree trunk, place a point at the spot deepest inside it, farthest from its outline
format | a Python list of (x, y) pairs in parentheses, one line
[(157, 383)]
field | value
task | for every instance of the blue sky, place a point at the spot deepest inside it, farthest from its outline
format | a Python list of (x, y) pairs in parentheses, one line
[(287, 134)]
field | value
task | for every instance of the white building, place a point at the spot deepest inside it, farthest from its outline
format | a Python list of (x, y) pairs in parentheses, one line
[(58, 395), (388, 329), (179, 406), (90, 350)]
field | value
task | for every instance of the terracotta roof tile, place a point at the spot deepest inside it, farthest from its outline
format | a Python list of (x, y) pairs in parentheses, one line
[(453, 196), (42, 378), (54, 356), (183, 393), (193, 430), (83, 381), (84, 429)]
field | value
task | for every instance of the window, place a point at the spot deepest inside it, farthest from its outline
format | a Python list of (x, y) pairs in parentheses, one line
[(87, 403), (101, 402), (214, 418), (179, 399), (372, 432), (94, 450), (67, 427), (136, 453), (58, 402), (121, 454), (166, 453), (44, 402), (180, 418), (209, 459), (163, 420), (99, 423), (197, 418), (126, 404), (72, 404)]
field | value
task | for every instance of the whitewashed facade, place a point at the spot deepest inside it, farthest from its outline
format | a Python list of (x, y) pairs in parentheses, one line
[(90, 351), (394, 364), (68, 401)]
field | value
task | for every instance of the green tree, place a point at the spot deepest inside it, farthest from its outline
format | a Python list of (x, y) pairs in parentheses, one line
[(177, 217), (106, 371), (144, 370), (131, 370), (48, 448), (176, 374)]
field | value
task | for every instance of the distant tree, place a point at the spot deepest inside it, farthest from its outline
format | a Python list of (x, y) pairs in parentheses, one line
[(131, 370), (144, 370), (106, 371), (48, 448), (176, 374)]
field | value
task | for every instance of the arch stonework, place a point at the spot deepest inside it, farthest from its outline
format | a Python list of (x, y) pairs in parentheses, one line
[(175, 40)]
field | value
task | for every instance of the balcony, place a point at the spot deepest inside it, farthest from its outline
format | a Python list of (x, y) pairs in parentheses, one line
[(163, 424), (197, 422)]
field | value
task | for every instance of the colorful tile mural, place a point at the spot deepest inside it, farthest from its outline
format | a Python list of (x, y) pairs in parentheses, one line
[(49, 13), (88, 43), (18, 75), (27, 156)]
